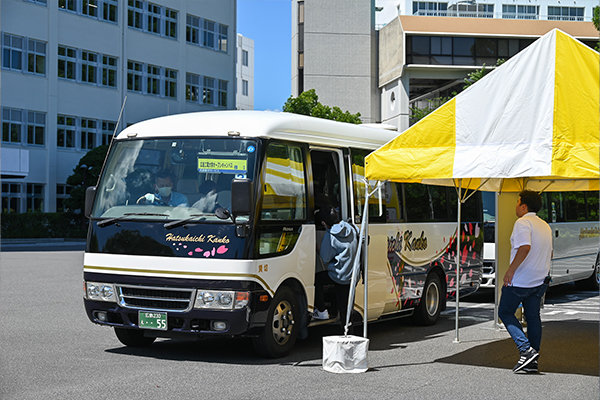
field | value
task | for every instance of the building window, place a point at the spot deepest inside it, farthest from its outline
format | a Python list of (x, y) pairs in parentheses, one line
[(565, 13), (65, 131), (244, 58), (12, 52), (109, 71), (67, 62), (208, 34), (88, 133), (222, 93), (36, 127), (511, 11), (192, 29), (244, 87), (170, 83), (89, 67), (62, 193), (153, 18), (36, 57), (108, 128), (192, 87), (430, 8), (170, 23), (35, 197), (11, 197), (208, 90), (89, 8), (135, 14), (12, 125), (153, 80), (109, 10), (134, 76), (223, 38), (70, 5), (448, 50)]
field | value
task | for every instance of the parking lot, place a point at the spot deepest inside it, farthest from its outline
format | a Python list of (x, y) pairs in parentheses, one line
[(49, 349)]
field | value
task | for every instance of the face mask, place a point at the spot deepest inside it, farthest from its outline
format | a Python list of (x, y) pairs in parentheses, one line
[(164, 191)]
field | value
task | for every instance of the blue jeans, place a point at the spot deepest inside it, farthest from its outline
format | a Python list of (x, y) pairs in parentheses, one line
[(531, 299)]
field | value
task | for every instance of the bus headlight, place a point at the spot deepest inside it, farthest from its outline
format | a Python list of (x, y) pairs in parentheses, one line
[(100, 291), (221, 300)]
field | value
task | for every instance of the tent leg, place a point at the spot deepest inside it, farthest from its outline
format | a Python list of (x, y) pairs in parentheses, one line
[(457, 338)]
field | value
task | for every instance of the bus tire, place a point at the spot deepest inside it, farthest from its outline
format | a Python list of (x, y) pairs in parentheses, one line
[(428, 310), (593, 282), (281, 330), (133, 337)]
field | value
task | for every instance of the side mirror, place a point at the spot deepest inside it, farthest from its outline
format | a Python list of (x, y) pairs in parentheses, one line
[(90, 195), (241, 197)]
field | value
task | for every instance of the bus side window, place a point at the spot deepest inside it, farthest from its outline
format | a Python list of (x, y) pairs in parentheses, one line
[(358, 183), (592, 206), (555, 207), (574, 206), (284, 189)]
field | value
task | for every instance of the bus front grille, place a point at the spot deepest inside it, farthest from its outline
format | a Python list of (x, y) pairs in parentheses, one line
[(156, 298)]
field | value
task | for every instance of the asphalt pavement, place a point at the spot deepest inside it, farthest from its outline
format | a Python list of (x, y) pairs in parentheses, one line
[(49, 350)]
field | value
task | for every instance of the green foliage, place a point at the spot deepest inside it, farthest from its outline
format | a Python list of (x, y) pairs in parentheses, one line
[(85, 174), (307, 103), (474, 76), (417, 113), (42, 225)]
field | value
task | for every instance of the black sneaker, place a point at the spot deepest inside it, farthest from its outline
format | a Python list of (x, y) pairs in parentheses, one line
[(532, 368), (527, 357)]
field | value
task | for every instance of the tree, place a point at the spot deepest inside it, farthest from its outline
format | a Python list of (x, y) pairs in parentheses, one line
[(85, 174), (307, 103)]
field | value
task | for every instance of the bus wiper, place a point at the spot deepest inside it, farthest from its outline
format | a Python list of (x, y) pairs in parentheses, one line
[(110, 221), (179, 222)]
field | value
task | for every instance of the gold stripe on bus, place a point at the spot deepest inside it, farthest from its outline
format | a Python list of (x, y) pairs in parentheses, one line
[(151, 271)]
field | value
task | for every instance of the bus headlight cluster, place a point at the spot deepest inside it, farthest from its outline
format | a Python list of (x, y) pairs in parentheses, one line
[(100, 291), (221, 300)]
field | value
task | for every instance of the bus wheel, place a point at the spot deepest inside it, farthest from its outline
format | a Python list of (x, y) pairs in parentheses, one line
[(428, 310), (593, 282), (280, 333), (133, 337)]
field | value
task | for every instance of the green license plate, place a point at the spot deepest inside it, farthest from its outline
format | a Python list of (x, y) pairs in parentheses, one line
[(152, 320)]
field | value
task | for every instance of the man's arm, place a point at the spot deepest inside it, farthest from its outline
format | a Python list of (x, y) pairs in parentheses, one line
[(519, 257)]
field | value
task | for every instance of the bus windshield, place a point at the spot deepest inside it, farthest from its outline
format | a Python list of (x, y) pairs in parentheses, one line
[(174, 178)]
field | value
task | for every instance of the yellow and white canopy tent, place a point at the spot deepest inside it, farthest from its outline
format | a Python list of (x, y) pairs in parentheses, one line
[(532, 123)]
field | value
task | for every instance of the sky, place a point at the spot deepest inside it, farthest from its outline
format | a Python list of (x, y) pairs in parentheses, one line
[(268, 23)]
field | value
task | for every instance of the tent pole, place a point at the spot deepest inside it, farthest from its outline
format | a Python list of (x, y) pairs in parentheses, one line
[(457, 339), (366, 259)]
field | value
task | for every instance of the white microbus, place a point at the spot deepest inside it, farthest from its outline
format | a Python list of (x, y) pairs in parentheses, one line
[(203, 224), (573, 217)]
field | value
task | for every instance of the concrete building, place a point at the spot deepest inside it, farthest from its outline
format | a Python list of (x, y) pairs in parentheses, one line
[(67, 66), (244, 97), (423, 58), (423, 49), (334, 51)]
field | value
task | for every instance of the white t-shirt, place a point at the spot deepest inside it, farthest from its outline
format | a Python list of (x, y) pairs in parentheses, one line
[(533, 231)]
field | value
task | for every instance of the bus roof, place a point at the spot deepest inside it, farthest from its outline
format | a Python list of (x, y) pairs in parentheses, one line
[(264, 124)]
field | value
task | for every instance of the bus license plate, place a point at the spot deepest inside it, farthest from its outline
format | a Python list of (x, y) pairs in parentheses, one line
[(152, 320)]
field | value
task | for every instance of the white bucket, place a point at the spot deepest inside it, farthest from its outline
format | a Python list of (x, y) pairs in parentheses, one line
[(345, 354)]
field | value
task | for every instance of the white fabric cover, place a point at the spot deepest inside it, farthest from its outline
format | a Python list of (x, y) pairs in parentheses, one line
[(345, 354), (490, 139)]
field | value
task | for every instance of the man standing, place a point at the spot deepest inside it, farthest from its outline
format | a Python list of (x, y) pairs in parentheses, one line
[(526, 279)]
